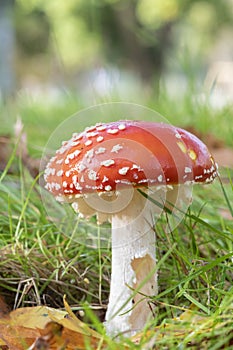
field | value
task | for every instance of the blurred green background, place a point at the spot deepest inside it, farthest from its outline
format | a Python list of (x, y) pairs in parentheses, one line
[(166, 54)]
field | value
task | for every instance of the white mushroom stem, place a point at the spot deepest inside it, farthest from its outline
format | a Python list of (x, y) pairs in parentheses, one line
[(134, 273), (134, 277)]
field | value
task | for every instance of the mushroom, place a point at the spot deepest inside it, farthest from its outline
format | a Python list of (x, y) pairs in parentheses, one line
[(103, 171)]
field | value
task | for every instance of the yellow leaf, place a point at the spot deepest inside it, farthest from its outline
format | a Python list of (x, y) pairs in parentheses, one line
[(33, 326)]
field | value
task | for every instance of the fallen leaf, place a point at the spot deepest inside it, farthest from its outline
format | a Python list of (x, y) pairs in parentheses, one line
[(16, 337), (57, 329), (56, 336), (51, 338), (35, 317), (21, 327)]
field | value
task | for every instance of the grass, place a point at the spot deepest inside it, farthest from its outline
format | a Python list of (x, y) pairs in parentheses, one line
[(40, 261)]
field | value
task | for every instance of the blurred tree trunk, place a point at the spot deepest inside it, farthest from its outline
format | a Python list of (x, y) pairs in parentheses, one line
[(7, 43), (142, 49)]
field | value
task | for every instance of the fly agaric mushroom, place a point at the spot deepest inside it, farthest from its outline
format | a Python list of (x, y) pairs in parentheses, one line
[(100, 171)]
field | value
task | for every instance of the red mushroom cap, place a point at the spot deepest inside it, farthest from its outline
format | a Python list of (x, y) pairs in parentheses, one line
[(106, 157)]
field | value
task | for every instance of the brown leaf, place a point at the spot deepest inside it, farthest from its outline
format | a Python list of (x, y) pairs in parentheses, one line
[(16, 337), (35, 317), (54, 329), (21, 327), (55, 337), (51, 338)]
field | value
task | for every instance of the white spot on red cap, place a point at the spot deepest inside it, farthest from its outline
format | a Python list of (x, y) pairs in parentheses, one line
[(72, 156), (112, 131), (105, 179), (78, 187), (92, 175), (77, 136), (79, 167), (60, 172), (88, 142), (108, 188), (116, 148), (178, 136), (160, 178), (99, 138), (101, 128), (89, 154), (90, 128), (62, 150), (68, 191), (74, 143), (91, 134), (124, 170), (50, 171), (187, 170), (47, 186), (100, 150), (142, 181), (108, 162), (135, 166), (74, 178), (123, 181), (56, 186), (121, 126)]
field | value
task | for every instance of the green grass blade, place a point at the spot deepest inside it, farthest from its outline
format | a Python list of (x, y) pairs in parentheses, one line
[(226, 197)]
